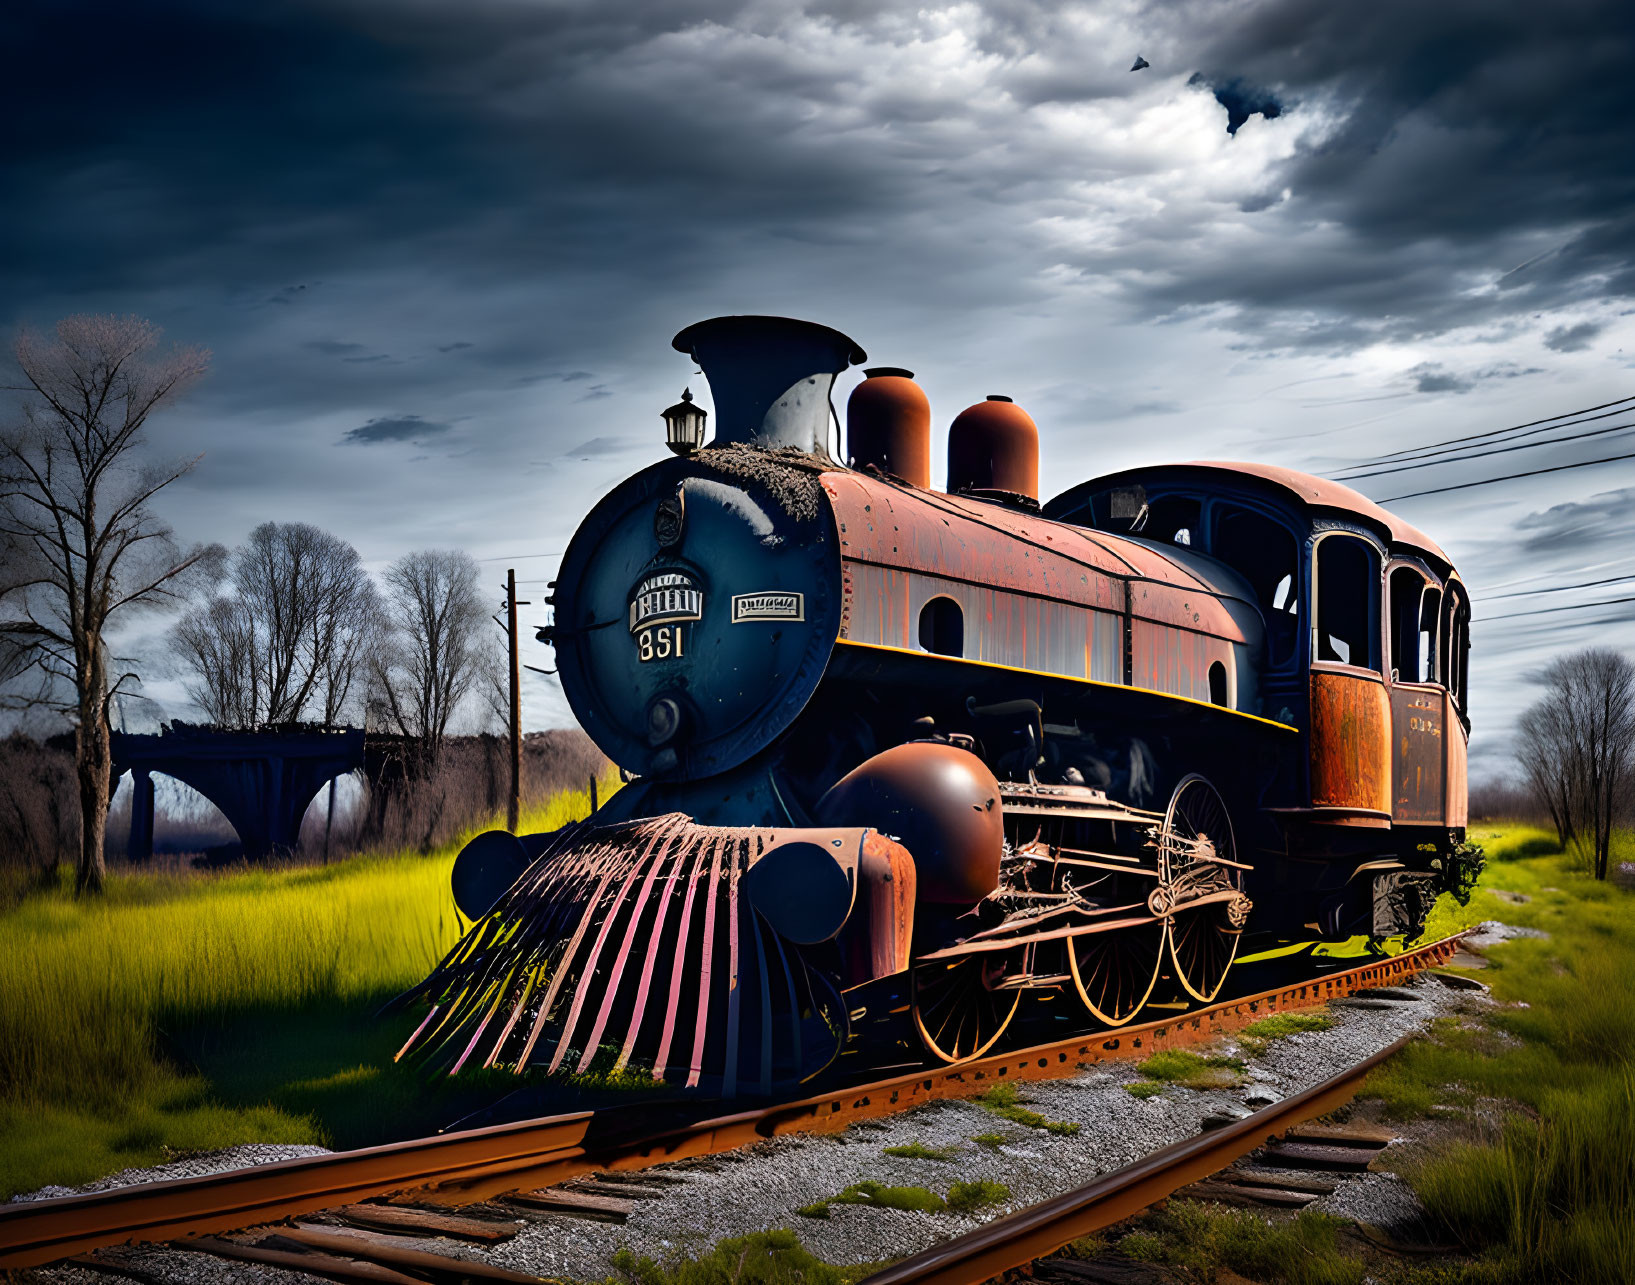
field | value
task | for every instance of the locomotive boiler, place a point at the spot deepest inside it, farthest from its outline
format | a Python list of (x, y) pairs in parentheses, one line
[(902, 759)]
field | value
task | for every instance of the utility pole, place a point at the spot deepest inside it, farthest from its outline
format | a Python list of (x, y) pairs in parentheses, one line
[(513, 806)]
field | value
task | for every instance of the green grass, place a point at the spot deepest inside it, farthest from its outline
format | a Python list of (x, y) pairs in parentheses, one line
[(962, 1198), (1202, 1240), (968, 1197), (1549, 1194), (989, 1141), (186, 1013), (1144, 1089), (1192, 1070), (919, 1151), (764, 1258), (1004, 1100), (1257, 1037)]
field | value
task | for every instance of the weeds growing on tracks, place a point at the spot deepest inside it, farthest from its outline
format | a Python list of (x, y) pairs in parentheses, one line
[(187, 1013), (1202, 1240), (962, 1198), (1004, 1100), (1547, 1194), (1189, 1070), (765, 1258), (919, 1151)]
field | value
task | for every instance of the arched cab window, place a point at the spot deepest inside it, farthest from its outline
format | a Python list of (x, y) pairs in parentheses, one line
[(1265, 553), (1347, 577), (1416, 610), (1455, 655), (942, 627)]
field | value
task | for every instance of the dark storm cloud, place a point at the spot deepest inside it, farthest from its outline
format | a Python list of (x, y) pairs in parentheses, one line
[(1241, 100), (630, 145), (404, 428), (1464, 129), (1431, 378), (1603, 522), (1573, 338)]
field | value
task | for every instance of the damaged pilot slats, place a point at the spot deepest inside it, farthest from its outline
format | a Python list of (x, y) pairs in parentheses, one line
[(635, 937)]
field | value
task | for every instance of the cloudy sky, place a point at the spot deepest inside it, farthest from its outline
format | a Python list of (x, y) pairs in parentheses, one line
[(439, 249)]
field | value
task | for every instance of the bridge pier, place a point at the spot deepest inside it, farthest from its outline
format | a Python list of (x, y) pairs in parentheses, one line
[(261, 781)]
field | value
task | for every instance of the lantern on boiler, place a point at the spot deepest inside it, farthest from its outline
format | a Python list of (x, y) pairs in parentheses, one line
[(684, 425)]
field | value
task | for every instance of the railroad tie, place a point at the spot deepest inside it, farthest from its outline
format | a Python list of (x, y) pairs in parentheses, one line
[(297, 1258), (607, 1209), (399, 1252), (1309, 1155), (428, 1222)]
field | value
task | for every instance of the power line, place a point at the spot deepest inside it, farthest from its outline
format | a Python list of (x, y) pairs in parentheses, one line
[(1549, 611), (519, 557), (1508, 477), (1560, 588), (1570, 420), (1500, 432), (1476, 455)]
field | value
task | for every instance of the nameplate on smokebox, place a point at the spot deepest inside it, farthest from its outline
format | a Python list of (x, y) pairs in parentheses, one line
[(768, 606)]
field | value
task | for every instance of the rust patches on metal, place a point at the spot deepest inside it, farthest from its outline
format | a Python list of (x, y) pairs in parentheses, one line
[(1350, 742), (1417, 719)]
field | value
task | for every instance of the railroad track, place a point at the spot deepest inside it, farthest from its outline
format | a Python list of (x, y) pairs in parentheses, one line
[(1032, 1233), (464, 1169)]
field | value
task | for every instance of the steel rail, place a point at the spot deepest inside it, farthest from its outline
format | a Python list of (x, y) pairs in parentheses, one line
[(473, 1165), (1041, 1229)]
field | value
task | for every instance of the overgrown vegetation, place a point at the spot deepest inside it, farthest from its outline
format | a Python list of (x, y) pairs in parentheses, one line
[(1202, 1240), (1257, 1037), (989, 1141), (1544, 1188), (182, 1013), (1005, 1101), (1188, 1069), (765, 1258), (962, 1198), (919, 1151)]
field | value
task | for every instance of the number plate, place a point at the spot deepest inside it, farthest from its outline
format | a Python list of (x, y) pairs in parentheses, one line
[(661, 642)]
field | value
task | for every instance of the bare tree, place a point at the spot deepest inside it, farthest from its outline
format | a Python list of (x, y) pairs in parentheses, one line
[(283, 644), (434, 654), (1579, 747), (80, 545)]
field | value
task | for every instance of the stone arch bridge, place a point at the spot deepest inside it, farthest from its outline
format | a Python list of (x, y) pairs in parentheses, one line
[(262, 781)]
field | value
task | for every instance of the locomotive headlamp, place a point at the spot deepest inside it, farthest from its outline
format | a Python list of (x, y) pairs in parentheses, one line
[(684, 425)]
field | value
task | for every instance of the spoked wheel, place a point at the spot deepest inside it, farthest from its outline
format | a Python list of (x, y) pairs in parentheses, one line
[(1114, 972), (1203, 940), (956, 1009)]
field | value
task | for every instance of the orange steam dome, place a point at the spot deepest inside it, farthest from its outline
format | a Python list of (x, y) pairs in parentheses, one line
[(993, 451), (888, 425)]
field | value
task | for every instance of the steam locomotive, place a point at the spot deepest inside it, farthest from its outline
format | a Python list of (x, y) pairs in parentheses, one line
[(899, 759)]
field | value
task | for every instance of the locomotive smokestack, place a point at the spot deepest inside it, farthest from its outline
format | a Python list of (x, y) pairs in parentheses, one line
[(770, 377)]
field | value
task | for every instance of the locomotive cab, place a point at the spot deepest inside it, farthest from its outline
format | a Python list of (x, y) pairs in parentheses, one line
[(1367, 639)]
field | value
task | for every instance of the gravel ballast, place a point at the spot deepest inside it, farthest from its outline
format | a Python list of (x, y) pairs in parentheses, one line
[(761, 1188)]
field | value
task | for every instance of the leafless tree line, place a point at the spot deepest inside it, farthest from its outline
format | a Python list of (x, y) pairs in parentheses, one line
[(298, 632), (1577, 749), (288, 628)]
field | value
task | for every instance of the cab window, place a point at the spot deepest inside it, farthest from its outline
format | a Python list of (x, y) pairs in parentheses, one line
[(1415, 618), (1347, 625), (1265, 553)]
